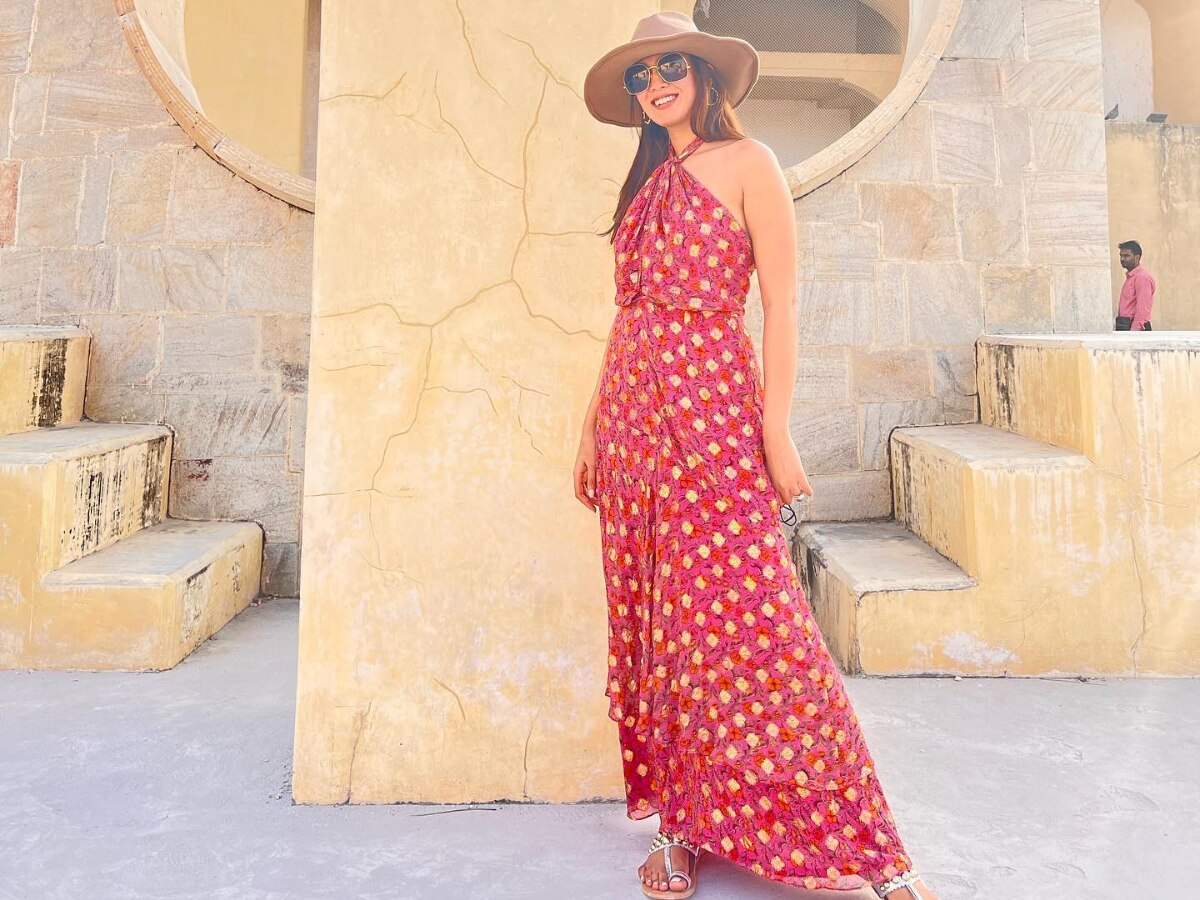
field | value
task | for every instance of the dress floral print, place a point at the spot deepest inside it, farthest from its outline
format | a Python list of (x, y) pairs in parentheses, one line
[(732, 717)]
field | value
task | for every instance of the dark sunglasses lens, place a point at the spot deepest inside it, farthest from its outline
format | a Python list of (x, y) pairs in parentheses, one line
[(637, 78), (672, 67)]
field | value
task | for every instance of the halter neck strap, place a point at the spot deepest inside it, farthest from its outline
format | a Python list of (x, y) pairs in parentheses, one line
[(685, 152)]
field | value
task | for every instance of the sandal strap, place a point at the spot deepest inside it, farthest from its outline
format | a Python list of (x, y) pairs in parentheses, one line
[(904, 880), (662, 841)]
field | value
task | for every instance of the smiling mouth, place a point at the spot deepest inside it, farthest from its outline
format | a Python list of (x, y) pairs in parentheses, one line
[(664, 101)]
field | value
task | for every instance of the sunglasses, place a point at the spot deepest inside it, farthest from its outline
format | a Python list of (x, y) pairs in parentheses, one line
[(671, 67)]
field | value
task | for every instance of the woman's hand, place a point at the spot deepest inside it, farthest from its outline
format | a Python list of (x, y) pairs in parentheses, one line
[(784, 468), (585, 470)]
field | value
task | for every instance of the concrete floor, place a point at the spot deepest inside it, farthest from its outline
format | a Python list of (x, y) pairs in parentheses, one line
[(175, 785)]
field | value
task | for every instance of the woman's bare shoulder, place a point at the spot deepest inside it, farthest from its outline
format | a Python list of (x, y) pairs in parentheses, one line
[(755, 157)]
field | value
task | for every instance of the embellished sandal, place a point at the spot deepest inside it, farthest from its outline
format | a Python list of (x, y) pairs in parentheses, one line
[(906, 880), (665, 842)]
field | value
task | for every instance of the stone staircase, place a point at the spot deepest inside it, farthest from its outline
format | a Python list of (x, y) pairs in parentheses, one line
[(1059, 536), (93, 575)]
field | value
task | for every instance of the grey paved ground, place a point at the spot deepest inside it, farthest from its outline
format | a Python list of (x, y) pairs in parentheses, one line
[(175, 785)]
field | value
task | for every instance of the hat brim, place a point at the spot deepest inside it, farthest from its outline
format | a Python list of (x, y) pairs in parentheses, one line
[(604, 90)]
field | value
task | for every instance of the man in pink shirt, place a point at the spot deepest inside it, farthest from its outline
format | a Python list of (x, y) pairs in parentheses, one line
[(1137, 295)]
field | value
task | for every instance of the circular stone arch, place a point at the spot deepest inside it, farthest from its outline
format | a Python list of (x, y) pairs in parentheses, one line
[(154, 30), (930, 25)]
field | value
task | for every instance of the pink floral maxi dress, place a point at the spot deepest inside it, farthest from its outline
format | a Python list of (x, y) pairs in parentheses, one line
[(733, 721)]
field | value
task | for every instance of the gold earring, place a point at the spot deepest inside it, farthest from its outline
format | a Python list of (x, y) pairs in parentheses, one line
[(645, 118), (714, 97)]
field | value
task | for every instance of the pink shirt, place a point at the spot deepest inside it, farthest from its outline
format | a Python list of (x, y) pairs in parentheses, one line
[(1137, 296)]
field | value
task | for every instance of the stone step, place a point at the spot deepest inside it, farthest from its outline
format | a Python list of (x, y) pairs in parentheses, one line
[(148, 600), (43, 370), (957, 485), (851, 567), (71, 490)]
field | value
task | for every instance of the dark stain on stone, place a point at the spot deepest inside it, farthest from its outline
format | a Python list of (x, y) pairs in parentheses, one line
[(49, 382), (1004, 376), (902, 486), (199, 470), (156, 461), (93, 491)]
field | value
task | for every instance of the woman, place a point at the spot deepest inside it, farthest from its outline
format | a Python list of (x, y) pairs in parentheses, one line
[(733, 721)]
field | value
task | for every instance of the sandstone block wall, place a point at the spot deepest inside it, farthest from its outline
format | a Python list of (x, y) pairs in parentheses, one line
[(985, 210), (194, 284)]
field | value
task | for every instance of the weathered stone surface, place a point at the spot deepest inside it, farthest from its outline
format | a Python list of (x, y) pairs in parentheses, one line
[(93, 208), (258, 489), (77, 34), (832, 203), (102, 99), (835, 312), (172, 278), (1014, 143), (895, 373), (210, 343), (988, 29), (1017, 299), (1083, 298), (210, 203), (149, 137), (906, 154), (844, 498), (297, 421), (954, 371), (964, 144), (29, 103), (891, 319), (228, 425), (137, 208), (285, 350), (281, 569), (125, 349), (915, 221), (944, 303), (53, 143), (1068, 220), (845, 251), (991, 222), (124, 403), (878, 420), (50, 190), (216, 383), (10, 177), (826, 435), (16, 24), (270, 279), (20, 278), (8, 91), (191, 490), (1063, 29), (822, 374), (79, 281), (1052, 84), (966, 81), (1068, 142)]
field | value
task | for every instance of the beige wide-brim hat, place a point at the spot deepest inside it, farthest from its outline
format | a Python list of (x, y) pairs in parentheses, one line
[(604, 89)]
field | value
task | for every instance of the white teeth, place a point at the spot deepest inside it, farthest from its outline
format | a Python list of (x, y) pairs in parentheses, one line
[(663, 101)]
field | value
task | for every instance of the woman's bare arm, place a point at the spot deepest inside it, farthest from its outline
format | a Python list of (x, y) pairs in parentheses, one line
[(771, 221)]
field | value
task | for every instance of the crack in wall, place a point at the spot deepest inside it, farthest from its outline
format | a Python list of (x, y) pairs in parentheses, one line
[(463, 140), (554, 76), (525, 756), (454, 694), (462, 19), (360, 727)]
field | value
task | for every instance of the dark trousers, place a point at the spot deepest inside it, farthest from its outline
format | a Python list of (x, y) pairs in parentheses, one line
[(1125, 323)]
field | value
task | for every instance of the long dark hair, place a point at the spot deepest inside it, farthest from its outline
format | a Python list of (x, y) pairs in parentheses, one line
[(710, 121)]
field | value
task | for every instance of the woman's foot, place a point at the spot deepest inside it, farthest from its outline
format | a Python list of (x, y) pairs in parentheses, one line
[(653, 872), (918, 890)]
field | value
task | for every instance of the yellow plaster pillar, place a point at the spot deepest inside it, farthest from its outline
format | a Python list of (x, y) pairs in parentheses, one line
[(453, 633)]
